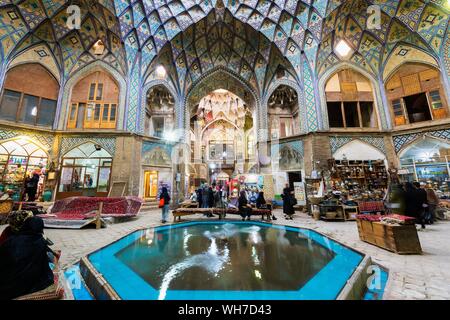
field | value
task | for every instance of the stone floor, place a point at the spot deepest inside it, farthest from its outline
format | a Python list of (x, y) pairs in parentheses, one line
[(424, 276)]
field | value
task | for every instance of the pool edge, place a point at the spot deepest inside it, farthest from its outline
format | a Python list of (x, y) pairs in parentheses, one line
[(99, 287), (354, 289)]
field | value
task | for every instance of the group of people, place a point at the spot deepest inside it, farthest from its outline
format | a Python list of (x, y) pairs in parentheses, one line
[(215, 196), (415, 200)]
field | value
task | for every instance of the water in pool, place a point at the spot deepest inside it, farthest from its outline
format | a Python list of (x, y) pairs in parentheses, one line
[(225, 256)]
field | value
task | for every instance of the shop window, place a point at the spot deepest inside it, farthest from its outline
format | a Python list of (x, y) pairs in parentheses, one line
[(25, 102), (416, 94), (85, 170), (19, 158), (94, 103), (350, 101), (426, 160)]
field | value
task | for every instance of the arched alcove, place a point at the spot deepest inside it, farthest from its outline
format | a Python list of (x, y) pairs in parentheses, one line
[(383, 115), (416, 94), (350, 100), (159, 112), (283, 112), (29, 95), (97, 66), (358, 150)]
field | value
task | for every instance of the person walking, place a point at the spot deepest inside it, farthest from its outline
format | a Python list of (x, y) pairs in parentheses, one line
[(433, 202), (164, 205), (244, 208), (288, 202)]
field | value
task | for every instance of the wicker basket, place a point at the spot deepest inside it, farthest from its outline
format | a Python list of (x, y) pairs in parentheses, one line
[(6, 207)]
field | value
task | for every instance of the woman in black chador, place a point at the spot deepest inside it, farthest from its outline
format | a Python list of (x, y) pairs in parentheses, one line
[(24, 256), (289, 202)]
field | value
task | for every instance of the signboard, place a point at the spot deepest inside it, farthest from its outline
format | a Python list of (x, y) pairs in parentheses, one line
[(299, 192)]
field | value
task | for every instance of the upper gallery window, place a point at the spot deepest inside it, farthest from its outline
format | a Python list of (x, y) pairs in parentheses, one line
[(94, 103), (159, 112), (283, 113), (24, 101), (350, 101), (416, 94)]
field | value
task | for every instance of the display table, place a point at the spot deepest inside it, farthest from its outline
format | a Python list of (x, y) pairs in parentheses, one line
[(401, 239), (331, 211)]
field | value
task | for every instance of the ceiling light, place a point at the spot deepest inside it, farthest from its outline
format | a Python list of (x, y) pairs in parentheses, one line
[(99, 48), (161, 71), (343, 49), (220, 91), (34, 111)]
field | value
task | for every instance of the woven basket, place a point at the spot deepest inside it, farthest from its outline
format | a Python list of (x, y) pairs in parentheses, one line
[(6, 207)]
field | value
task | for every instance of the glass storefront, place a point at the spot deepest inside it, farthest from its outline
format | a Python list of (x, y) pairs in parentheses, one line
[(426, 161), (85, 171), (19, 158)]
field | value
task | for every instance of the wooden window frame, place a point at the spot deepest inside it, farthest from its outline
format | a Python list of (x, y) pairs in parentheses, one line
[(21, 106), (429, 102), (358, 106), (92, 104)]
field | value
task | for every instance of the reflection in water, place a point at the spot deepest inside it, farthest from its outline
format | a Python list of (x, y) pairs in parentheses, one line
[(225, 257)]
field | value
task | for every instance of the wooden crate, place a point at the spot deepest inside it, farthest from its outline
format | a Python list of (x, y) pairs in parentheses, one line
[(401, 239)]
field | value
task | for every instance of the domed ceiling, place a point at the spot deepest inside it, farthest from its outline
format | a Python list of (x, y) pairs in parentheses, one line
[(29, 23), (206, 33), (405, 27)]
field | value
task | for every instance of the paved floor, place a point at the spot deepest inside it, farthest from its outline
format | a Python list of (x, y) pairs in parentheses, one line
[(424, 276)]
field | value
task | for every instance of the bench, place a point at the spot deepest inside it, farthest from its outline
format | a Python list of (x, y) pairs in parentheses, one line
[(265, 214)]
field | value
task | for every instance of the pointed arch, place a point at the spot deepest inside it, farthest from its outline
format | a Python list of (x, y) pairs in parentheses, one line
[(40, 54), (357, 149), (198, 88), (382, 112), (299, 89), (98, 65), (406, 54)]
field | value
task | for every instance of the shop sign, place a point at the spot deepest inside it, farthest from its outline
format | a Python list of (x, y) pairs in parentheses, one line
[(299, 192)]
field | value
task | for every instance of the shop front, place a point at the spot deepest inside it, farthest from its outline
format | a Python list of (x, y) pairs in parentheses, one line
[(21, 158), (85, 171), (427, 161), (156, 170), (358, 170)]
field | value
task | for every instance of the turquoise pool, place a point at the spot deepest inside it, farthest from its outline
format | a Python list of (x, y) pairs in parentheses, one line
[(226, 260)]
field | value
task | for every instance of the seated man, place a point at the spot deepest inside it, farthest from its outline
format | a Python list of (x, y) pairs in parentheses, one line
[(24, 266)]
